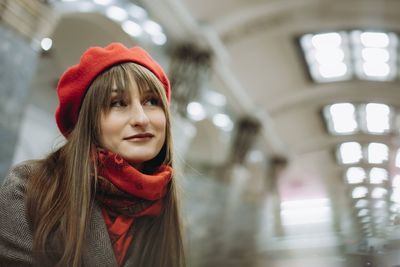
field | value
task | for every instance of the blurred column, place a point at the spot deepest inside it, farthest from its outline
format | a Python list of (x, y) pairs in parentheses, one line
[(189, 71), (241, 215), (22, 24), (247, 132)]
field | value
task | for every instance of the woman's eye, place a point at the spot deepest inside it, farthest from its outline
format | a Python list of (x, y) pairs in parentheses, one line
[(118, 103), (152, 101)]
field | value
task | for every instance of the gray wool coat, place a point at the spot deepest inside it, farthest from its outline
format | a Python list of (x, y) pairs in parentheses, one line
[(16, 237)]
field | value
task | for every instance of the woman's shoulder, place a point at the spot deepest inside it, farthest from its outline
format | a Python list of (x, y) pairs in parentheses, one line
[(15, 233), (19, 174)]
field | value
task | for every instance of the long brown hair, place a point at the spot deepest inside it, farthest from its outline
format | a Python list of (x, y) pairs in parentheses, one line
[(60, 193)]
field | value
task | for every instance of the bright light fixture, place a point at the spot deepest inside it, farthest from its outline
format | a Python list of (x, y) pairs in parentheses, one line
[(46, 44), (159, 39), (137, 12), (380, 204), (377, 55), (341, 118), (377, 117), (116, 13), (374, 39), (215, 98), (196, 111), (348, 118), (359, 192), (333, 70), (366, 220), (350, 152), (103, 2), (355, 175), (378, 192), (326, 40), (361, 203), (363, 212), (85, 6), (152, 27), (132, 28), (223, 121), (375, 69), (336, 56), (326, 56), (377, 153), (378, 175)]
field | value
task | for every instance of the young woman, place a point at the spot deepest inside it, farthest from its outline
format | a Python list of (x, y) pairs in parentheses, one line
[(107, 197)]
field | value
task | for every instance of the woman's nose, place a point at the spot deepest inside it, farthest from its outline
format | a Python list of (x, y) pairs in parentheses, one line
[(138, 116)]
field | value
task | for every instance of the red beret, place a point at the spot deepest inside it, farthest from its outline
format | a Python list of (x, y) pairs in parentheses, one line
[(76, 80)]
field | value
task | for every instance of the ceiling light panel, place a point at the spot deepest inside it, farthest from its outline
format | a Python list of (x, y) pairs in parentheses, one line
[(343, 55), (378, 153), (341, 118), (378, 175), (380, 204), (350, 118), (327, 55), (375, 55), (355, 175), (363, 212), (350, 153), (379, 192), (366, 220), (362, 203), (377, 118), (359, 192)]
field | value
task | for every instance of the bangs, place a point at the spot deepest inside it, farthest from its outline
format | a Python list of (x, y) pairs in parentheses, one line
[(122, 77)]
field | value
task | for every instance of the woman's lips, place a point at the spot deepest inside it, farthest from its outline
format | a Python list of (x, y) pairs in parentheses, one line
[(139, 137)]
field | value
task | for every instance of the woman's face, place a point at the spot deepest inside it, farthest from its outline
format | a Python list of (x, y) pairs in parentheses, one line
[(135, 125)]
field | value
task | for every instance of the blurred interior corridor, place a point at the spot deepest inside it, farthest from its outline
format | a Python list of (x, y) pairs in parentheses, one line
[(286, 116)]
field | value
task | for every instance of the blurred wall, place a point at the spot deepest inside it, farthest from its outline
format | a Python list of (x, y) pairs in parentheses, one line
[(17, 65)]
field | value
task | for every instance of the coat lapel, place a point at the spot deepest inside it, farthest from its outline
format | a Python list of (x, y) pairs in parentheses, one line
[(99, 251)]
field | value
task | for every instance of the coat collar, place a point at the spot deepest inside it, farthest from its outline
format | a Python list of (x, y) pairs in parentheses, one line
[(99, 251)]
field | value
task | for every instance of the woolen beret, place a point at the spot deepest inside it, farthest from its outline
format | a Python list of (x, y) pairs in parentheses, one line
[(75, 81)]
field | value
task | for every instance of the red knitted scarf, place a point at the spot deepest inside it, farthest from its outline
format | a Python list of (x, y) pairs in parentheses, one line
[(124, 194)]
